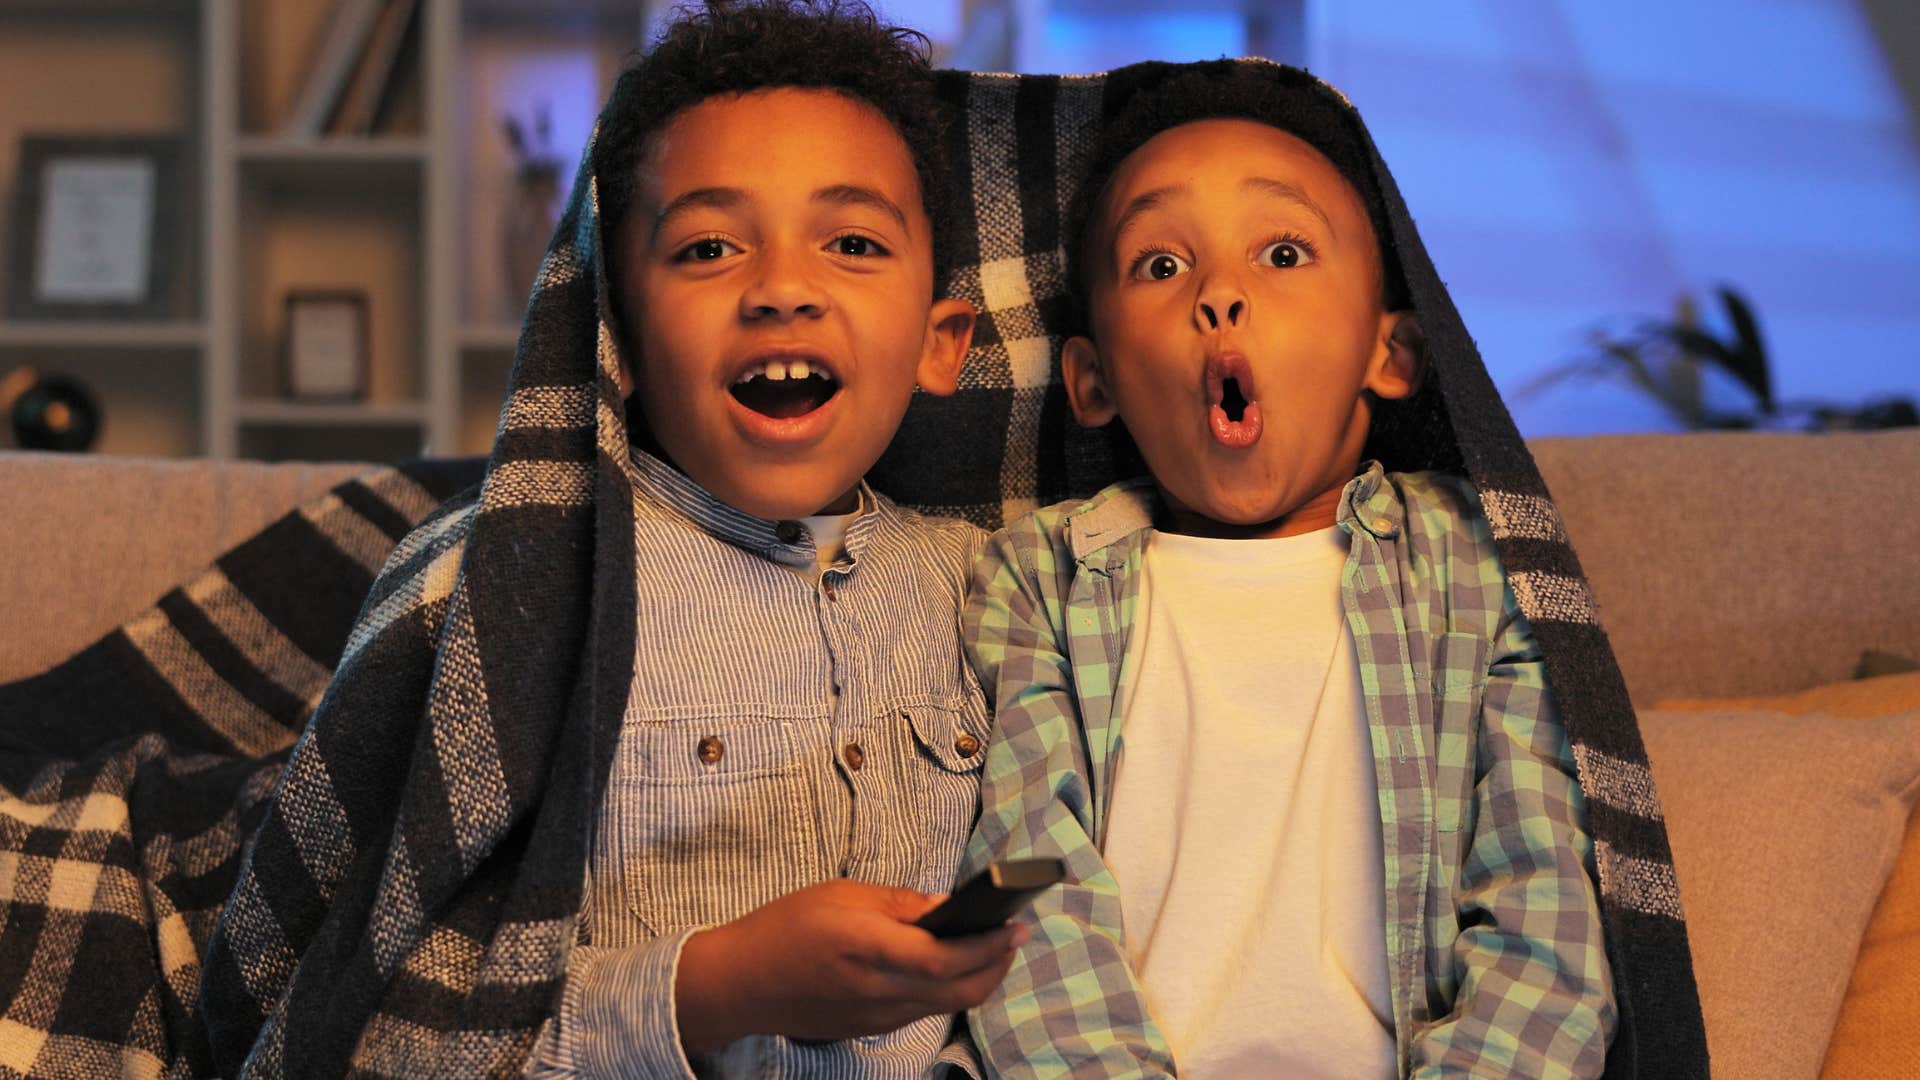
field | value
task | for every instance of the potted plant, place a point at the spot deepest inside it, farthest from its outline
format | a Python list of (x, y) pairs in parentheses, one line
[(1671, 361)]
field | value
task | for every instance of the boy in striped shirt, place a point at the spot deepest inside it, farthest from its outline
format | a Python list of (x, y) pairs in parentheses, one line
[(798, 768)]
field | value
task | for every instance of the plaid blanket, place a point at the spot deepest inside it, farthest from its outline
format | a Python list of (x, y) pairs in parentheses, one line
[(131, 774), (403, 893)]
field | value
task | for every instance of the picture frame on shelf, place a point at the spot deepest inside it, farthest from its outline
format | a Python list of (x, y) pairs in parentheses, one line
[(95, 229), (324, 344)]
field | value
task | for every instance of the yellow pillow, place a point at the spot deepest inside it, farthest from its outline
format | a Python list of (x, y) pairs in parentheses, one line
[(1884, 990), (1870, 1041), (1855, 697)]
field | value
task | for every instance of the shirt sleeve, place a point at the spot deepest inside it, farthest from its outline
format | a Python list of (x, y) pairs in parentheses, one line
[(616, 1015), (1071, 1005), (1535, 993)]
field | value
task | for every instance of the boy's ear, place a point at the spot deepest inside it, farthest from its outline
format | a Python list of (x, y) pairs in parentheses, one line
[(949, 335), (623, 373), (1086, 381), (1401, 363)]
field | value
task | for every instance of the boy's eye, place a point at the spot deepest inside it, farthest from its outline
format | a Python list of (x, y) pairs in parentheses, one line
[(1159, 266), (705, 250), (1286, 254), (857, 246)]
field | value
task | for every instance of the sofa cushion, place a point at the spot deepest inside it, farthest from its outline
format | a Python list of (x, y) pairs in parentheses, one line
[(91, 541), (1743, 563), (1785, 816)]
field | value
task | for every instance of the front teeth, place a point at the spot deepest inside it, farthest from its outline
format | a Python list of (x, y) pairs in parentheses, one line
[(779, 370)]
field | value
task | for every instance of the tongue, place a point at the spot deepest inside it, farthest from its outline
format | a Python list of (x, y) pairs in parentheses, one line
[(785, 399)]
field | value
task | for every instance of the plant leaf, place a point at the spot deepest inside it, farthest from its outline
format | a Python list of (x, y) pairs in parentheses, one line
[(1683, 382), (1714, 351), (1749, 349)]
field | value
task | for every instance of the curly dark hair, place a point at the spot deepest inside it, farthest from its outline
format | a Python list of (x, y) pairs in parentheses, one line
[(738, 46), (1158, 97), (1148, 98)]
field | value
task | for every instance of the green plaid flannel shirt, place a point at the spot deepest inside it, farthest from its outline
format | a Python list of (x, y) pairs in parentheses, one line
[(1492, 923)]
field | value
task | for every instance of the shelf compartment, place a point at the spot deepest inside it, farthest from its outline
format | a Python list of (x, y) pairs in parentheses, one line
[(523, 60), (353, 225), (278, 44), (107, 69), (149, 397)]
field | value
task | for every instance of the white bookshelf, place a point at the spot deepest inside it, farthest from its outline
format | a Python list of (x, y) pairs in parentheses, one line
[(408, 215)]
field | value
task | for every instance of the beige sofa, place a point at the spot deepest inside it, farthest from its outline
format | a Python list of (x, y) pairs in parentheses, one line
[(1723, 565)]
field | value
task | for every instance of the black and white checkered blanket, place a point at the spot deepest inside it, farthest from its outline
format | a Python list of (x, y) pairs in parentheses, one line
[(411, 879)]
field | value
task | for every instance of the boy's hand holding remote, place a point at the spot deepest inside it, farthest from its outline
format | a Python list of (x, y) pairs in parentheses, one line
[(832, 961)]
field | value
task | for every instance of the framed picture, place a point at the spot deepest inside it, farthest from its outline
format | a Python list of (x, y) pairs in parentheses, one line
[(94, 229), (323, 343)]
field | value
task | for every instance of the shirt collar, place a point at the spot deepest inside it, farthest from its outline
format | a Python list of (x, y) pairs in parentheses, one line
[(1368, 502), (784, 542)]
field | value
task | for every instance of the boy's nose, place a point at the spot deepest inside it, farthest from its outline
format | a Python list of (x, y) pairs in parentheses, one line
[(1219, 306), (781, 290)]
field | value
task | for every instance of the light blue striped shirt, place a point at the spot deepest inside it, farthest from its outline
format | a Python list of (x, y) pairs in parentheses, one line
[(783, 728)]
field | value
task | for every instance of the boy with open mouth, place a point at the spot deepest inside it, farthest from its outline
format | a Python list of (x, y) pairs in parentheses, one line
[(695, 730), (1275, 705)]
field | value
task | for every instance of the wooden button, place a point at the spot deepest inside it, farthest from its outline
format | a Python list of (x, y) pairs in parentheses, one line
[(966, 745), (711, 749), (855, 756)]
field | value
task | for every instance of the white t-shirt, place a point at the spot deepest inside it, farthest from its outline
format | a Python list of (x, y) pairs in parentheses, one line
[(830, 535), (1244, 827)]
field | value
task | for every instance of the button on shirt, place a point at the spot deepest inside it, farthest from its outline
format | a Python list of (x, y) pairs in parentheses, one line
[(793, 718)]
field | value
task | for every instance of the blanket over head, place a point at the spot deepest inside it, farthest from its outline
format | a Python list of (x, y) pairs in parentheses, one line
[(410, 894)]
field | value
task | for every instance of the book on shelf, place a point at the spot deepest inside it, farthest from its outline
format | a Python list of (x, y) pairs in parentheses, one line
[(341, 44), (369, 92)]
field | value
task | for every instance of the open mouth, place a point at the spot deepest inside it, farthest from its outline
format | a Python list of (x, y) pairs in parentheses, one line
[(1232, 401), (1233, 412), (784, 387)]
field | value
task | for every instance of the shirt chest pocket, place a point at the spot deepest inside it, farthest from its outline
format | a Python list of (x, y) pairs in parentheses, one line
[(944, 749), (1459, 681), (710, 820)]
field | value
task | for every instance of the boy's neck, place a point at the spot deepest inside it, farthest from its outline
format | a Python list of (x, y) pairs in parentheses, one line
[(849, 501), (1320, 512)]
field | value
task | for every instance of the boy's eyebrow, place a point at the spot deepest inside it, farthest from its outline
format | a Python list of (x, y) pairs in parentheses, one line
[(856, 195), (719, 198), (723, 198), (1140, 204), (1280, 189)]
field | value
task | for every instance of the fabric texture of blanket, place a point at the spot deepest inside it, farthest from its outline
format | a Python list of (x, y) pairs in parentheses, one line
[(407, 897), (131, 775)]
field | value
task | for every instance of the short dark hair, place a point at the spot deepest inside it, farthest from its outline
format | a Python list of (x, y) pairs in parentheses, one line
[(1148, 98), (1156, 97), (739, 46)]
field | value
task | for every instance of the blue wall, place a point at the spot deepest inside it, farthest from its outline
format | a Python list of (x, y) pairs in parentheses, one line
[(1575, 165), (1572, 163)]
